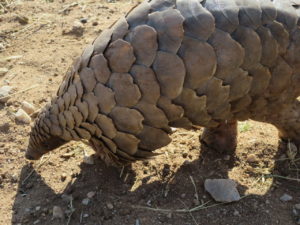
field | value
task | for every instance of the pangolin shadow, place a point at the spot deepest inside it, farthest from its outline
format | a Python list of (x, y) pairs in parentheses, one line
[(172, 191)]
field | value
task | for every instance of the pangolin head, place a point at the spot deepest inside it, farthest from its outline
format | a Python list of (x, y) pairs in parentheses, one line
[(42, 136)]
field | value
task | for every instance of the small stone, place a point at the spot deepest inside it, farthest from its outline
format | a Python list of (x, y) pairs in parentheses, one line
[(95, 23), (88, 159), (297, 206), (83, 20), (63, 177), (22, 116), (37, 208), (85, 215), (27, 107), (91, 194), (2, 47), (251, 158), (137, 222), (222, 190), (3, 71), (23, 20), (4, 128), (109, 205), (4, 93), (58, 212), (183, 195), (227, 157), (285, 197), (85, 201), (295, 212), (125, 211), (36, 222), (236, 213), (169, 215), (77, 29)]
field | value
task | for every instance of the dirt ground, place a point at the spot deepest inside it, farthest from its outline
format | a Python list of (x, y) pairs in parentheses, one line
[(38, 41)]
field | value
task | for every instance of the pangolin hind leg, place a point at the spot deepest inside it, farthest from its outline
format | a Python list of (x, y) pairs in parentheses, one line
[(288, 123), (222, 138)]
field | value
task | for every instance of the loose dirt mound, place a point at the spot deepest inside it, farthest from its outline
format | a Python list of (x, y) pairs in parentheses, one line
[(38, 41)]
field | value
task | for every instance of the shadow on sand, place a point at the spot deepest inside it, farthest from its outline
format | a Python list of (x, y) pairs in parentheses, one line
[(113, 202)]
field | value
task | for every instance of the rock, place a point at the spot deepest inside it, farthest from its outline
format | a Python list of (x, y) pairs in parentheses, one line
[(23, 20), (27, 107), (251, 158), (83, 20), (95, 23), (222, 190), (85, 215), (236, 213), (4, 128), (3, 71), (137, 222), (58, 212), (2, 47), (22, 116), (77, 29), (63, 177), (36, 222), (88, 159), (297, 206), (37, 208), (85, 201), (4, 92), (91, 194), (285, 198), (109, 205)]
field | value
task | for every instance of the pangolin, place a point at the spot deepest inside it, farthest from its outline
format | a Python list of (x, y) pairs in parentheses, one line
[(178, 63)]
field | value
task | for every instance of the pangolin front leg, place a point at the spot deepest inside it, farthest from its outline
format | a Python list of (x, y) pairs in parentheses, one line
[(222, 138)]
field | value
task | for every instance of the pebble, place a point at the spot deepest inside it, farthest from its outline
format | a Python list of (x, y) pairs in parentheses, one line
[(222, 190), (77, 29), (91, 194), (109, 205), (95, 23), (137, 222), (252, 158), (4, 92), (3, 71), (285, 197), (85, 201), (2, 47), (37, 208), (63, 177), (58, 212), (297, 206), (23, 20), (4, 128), (27, 107), (236, 213), (83, 20), (227, 157), (85, 215), (22, 116)]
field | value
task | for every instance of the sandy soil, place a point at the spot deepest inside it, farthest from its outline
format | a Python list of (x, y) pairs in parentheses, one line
[(37, 53)]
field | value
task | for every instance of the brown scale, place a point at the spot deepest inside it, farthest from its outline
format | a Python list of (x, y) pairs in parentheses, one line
[(178, 63)]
